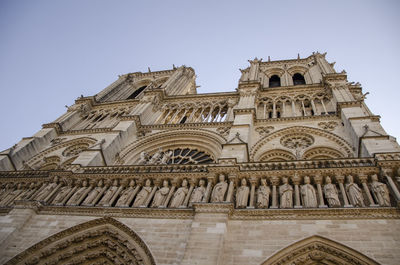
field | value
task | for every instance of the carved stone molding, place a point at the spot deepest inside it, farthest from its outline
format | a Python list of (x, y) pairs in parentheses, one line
[(330, 125)]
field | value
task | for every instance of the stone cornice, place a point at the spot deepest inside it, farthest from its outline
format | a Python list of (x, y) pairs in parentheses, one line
[(216, 208), (372, 118), (187, 125), (293, 89)]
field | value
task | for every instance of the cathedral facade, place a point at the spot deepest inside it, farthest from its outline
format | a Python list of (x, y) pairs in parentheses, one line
[(290, 168)]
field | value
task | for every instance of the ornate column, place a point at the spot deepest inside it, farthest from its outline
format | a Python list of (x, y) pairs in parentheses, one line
[(318, 181), (210, 181), (296, 181), (209, 114), (174, 183), (174, 116), (166, 116), (192, 183), (199, 119), (114, 197), (47, 199), (391, 183), (313, 107), (253, 182), (72, 191), (265, 110), (340, 180), (283, 109), (157, 184), (304, 109), (192, 114), (323, 105), (293, 109), (364, 178), (135, 191), (274, 183), (232, 180), (273, 109)]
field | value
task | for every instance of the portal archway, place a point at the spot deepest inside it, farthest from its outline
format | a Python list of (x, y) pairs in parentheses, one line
[(100, 241), (318, 250)]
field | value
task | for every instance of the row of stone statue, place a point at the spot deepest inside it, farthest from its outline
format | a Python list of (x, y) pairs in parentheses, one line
[(132, 194)]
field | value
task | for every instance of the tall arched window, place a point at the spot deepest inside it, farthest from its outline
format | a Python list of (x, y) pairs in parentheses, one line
[(137, 92), (298, 79), (274, 81)]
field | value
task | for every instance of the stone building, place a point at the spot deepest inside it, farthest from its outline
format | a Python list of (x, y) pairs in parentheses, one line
[(290, 168)]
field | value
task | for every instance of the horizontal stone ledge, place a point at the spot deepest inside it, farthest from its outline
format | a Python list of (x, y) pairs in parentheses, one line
[(214, 208)]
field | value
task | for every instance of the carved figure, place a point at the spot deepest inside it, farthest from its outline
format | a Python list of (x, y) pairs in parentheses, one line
[(166, 157), (28, 192), (354, 192), (308, 194), (198, 193), (286, 194), (109, 193), (380, 191), (93, 194), (331, 193), (263, 193), (155, 159), (9, 198), (46, 190), (219, 190), (143, 194), (242, 194), (122, 201), (62, 193), (161, 195), (143, 158), (180, 195), (78, 194)]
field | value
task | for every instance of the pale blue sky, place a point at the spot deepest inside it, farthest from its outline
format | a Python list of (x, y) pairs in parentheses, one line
[(51, 52)]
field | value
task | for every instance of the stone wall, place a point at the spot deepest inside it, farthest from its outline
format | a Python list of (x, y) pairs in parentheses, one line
[(212, 237)]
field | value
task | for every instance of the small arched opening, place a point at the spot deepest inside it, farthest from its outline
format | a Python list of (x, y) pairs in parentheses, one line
[(275, 81), (137, 92), (298, 79)]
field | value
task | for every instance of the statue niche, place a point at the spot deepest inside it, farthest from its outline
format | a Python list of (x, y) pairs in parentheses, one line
[(218, 193), (180, 195)]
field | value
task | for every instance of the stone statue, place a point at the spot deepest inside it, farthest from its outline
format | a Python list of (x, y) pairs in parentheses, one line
[(109, 194), (218, 193), (331, 193), (380, 191), (41, 196), (263, 193), (155, 159), (242, 194), (180, 195), (160, 195), (143, 158), (286, 194), (198, 193), (354, 192), (28, 193), (78, 194), (93, 194), (62, 193), (143, 194), (308, 194), (9, 198), (166, 157), (123, 199)]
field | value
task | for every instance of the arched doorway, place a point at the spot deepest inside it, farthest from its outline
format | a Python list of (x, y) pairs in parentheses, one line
[(100, 241), (318, 250)]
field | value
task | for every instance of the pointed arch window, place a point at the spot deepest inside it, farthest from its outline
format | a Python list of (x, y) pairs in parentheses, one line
[(275, 81), (298, 79)]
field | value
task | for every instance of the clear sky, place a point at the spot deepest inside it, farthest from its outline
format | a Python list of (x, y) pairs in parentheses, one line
[(51, 52)]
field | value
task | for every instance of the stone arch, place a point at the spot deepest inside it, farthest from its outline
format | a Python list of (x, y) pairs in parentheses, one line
[(100, 241), (262, 145), (274, 71), (203, 140), (318, 250), (297, 69), (322, 152), (82, 141), (277, 155)]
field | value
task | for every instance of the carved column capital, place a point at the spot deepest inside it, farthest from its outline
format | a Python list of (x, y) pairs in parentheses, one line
[(296, 179), (253, 181), (339, 179), (157, 182), (363, 178), (192, 181), (318, 179), (274, 180)]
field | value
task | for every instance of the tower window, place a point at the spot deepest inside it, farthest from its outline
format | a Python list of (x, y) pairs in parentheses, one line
[(274, 81), (298, 79), (137, 92)]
